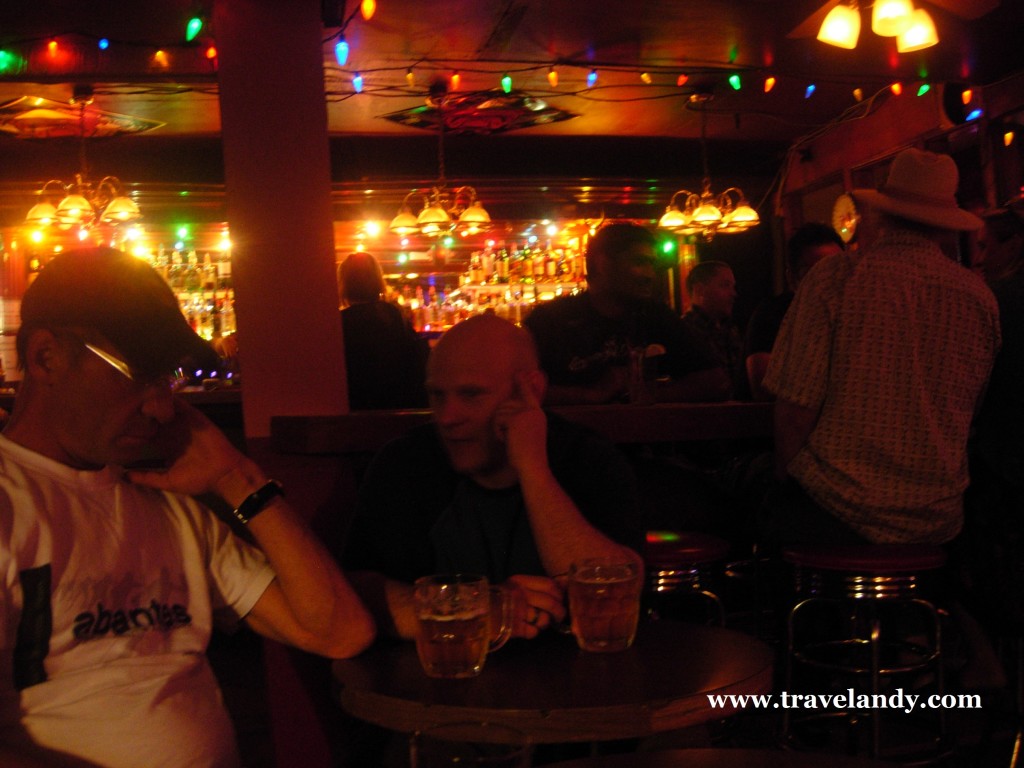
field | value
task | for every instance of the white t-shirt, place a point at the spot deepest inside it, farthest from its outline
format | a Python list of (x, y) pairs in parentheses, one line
[(107, 597)]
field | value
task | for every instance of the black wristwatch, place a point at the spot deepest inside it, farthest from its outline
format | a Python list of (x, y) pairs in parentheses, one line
[(257, 501)]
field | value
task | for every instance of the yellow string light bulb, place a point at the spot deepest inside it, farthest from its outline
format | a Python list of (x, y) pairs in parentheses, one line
[(368, 8), (646, 77), (553, 77)]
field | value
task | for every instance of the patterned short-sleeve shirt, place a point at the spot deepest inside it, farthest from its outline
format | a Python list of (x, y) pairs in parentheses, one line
[(893, 350)]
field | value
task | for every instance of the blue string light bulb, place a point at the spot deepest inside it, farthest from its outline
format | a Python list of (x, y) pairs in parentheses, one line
[(341, 51)]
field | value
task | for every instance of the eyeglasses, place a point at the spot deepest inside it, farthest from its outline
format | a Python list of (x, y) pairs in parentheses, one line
[(169, 381)]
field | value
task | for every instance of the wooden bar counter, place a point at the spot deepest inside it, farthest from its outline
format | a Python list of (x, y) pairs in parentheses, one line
[(621, 423)]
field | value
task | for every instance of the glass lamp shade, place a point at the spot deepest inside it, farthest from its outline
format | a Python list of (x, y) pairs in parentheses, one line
[(404, 223), (890, 18), (75, 209), (673, 219), (706, 213), (121, 210), (841, 27), (475, 215), (41, 213), (743, 216), (434, 214), (920, 34)]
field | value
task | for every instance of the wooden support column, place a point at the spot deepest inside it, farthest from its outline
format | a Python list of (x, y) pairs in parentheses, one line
[(278, 187)]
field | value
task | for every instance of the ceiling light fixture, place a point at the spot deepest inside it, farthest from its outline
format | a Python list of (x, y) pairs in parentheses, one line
[(890, 18), (912, 28), (80, 202), (707, 214), (920, 34), (444, 210), (841, 27)]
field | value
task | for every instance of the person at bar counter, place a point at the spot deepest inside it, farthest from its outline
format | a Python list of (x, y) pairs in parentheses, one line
[(711, 287), (585, 340), (384, 358), (493, 486), (806, 247), (112, 577), (878, 369)]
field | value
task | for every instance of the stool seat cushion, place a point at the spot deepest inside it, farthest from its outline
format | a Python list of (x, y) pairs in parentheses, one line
[(867, 558), (667, 549)]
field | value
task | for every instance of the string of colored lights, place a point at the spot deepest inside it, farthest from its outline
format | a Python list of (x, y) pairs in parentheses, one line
[(195, 53)]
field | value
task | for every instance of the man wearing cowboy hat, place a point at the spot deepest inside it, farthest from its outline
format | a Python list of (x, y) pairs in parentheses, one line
[(878, 369)]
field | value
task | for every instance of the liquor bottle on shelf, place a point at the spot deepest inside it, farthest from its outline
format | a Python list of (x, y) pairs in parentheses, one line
[(227, 314), (208, 275), (515, 262), (526, 266), (476, 268), (193, 280), (501, 266)]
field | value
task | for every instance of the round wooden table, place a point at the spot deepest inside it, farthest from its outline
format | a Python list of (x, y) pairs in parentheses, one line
[(554, 692), (721, 758)]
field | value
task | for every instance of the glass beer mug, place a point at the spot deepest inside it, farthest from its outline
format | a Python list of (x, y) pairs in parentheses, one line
[(460, 619)]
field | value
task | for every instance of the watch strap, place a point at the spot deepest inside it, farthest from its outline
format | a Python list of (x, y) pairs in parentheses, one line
[(257, 501)]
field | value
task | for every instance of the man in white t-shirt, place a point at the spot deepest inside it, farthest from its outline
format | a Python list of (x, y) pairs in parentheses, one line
[(110, 578)]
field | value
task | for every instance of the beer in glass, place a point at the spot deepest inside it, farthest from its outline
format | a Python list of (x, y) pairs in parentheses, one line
[(604, 604), (456, 626)]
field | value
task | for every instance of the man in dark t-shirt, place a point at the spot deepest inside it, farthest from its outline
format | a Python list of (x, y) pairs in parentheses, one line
[(585, 341), (493, 486)]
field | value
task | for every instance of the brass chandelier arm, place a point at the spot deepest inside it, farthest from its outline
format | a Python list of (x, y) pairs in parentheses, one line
[(442, 211), (708, 213), (81, 203), (60, 191)]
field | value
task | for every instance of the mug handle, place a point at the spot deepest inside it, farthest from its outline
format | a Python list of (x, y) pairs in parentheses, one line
[(500, 617)]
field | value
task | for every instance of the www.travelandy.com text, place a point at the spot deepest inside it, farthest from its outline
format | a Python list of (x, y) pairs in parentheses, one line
[(850, 699)]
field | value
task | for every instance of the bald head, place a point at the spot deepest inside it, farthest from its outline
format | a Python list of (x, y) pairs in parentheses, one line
[(486, 341), (480, 367)]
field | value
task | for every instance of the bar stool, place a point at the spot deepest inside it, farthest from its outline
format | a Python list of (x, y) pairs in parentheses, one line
[(680, 566), (872, 592)]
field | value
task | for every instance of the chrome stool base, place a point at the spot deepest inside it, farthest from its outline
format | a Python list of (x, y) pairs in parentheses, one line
[(870, 595), (679, 569)]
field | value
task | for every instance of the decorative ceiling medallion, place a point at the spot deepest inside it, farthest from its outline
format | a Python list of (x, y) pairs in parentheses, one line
[(481, 112), (34, 117)]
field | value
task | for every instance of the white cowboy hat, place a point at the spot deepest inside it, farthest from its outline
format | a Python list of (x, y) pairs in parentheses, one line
[(921, 187)]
